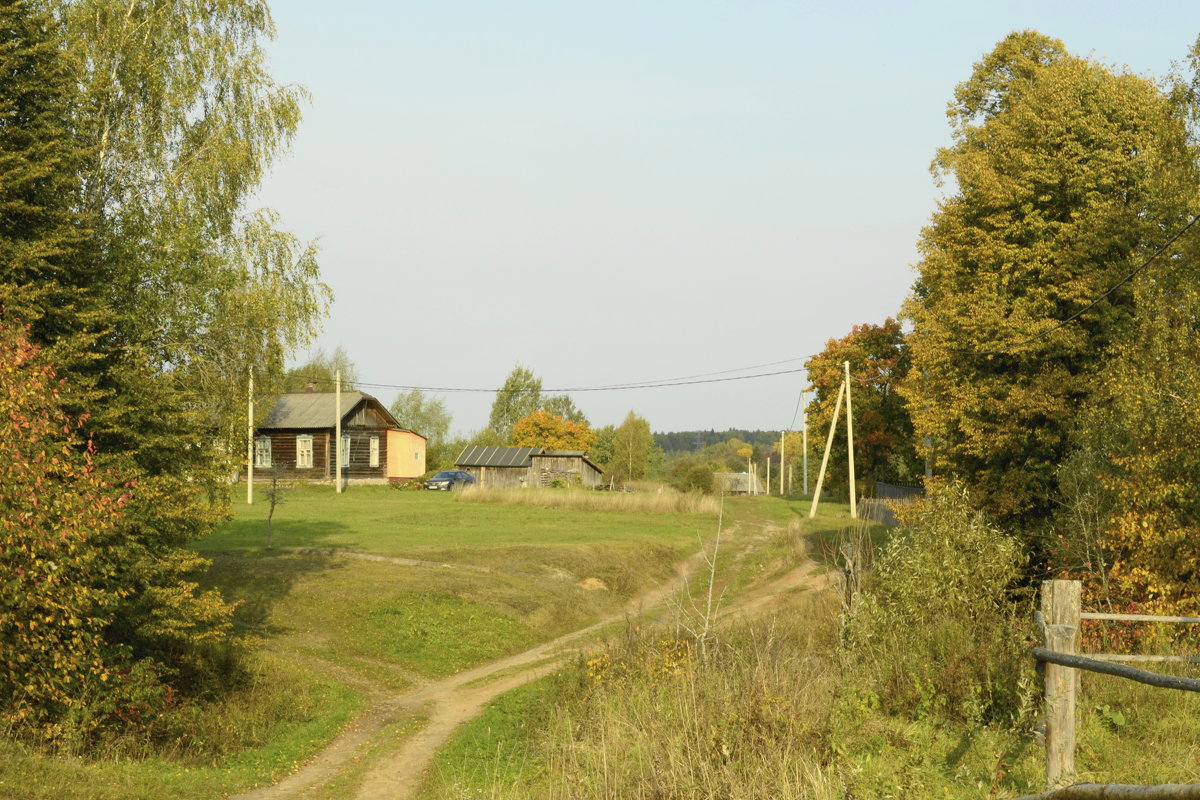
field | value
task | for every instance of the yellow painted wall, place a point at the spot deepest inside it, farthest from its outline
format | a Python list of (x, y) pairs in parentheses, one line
[(405, 455)]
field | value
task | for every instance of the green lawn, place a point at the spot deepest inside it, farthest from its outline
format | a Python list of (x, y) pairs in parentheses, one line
[(434, 526), (432, 620), (326, 628)]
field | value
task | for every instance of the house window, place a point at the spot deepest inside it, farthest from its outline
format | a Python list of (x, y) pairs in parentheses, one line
[(374, 451), (262, 451), (304, 452), (345, 451)]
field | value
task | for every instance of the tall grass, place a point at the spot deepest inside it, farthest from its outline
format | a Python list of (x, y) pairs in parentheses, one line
[(744, 718), (664, 500), (654, 715)]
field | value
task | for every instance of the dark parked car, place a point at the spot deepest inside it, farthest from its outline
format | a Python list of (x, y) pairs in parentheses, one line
[(450, 479)]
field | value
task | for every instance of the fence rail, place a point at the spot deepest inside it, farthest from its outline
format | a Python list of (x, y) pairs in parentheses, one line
[(1060, 618), (1135, 617), (1118, 791)]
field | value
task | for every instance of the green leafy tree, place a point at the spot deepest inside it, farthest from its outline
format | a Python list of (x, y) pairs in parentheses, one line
[(119, 594), (883, 437), (1137, 440), (519, 397), (543, 429), (634, 451), (321, 372), (688, 475), (137, 261), (1065, 175), (601, 451), (561, 405), (42, 231), (185, 121)]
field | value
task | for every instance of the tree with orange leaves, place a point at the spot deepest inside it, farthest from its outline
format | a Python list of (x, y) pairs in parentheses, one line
[(543, 429), (883, 436)]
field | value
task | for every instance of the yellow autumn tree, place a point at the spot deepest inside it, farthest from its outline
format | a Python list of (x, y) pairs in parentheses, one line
[(543, 429), (1065, 173)]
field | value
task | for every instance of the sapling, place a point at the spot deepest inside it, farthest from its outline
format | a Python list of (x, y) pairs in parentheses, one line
[(276, 495)]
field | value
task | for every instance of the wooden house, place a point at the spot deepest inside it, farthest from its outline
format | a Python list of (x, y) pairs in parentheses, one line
[(295, 442), (529, 467)]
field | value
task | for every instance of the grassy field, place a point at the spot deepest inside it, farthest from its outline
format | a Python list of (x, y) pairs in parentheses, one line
[(328, 626), (775, 710), (253, 736)]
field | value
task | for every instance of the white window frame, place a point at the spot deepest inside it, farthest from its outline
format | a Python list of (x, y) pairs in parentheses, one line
[(262, 451), (374, 451), (345, 451), (304, 451)]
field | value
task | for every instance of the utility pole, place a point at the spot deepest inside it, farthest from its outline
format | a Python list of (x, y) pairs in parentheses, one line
[(337, 428), (850, 444), (768, 474), (804, 436), (250, 440), (750, 488), (837, 409), (782, 460)]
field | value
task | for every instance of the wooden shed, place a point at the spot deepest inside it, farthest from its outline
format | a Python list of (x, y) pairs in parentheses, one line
[(738, 483), (528, 467), (296, 441)]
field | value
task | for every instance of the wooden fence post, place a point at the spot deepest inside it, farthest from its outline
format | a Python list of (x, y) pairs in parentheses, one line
[(1060, 610)]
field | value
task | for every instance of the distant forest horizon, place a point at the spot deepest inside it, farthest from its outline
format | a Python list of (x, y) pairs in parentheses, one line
[(692, 441)]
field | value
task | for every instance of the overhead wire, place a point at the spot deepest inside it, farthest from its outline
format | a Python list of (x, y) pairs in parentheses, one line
[(1096, 301), (711, 377), (572, 389)]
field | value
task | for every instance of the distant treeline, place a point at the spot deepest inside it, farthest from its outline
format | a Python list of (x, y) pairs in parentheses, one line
[(691, 441)]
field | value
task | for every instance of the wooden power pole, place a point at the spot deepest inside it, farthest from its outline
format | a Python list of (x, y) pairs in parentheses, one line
[(337, 430), (850, 444), (804, 438), (250, 440)]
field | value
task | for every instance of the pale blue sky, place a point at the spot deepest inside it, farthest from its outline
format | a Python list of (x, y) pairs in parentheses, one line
[(618, 191)]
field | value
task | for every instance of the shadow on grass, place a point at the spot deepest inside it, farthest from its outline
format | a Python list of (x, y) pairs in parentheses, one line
[(256, 580), (250, 533)]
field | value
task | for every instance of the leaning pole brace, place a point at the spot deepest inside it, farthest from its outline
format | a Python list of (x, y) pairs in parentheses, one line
[(837, 409)]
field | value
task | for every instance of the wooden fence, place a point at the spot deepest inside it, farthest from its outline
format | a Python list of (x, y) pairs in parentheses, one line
[(1060, 618)]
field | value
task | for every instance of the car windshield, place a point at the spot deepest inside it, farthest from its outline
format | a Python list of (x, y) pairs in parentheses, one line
[(443, 476)]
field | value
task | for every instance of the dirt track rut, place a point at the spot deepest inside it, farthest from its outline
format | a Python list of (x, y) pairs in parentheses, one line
[(449, 702)]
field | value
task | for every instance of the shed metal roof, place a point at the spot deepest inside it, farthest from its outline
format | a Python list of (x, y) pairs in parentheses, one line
[(478, 456)]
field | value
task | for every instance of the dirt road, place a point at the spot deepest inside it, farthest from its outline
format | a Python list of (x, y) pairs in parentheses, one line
[(449, 702)]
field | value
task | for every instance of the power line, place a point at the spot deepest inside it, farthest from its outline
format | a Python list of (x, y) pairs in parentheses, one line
[(796, 413), (1062, 324), (572, 389), (635, 384)]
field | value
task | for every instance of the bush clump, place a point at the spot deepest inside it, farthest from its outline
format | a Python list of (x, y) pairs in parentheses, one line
[(939, 630)]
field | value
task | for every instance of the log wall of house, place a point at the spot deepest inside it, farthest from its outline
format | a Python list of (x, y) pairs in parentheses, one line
[(283, 458), (358, 465)]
